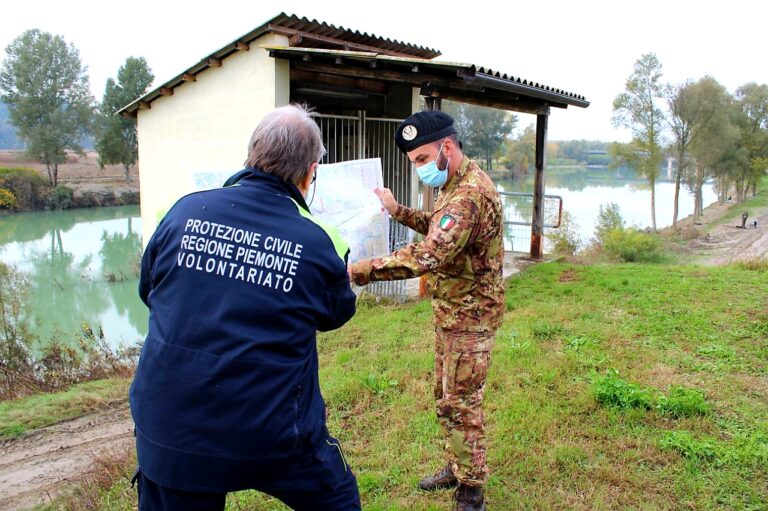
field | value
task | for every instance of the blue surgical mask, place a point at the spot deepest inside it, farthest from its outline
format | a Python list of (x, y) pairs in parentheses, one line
[(431, 175)]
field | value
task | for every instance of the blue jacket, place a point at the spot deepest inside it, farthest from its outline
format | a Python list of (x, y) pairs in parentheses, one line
[(237, 280)]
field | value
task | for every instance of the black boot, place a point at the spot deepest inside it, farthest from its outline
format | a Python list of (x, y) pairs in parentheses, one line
[(441, 480), (469, 498)]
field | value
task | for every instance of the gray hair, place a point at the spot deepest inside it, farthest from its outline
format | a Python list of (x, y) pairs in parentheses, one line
[(285, 143)]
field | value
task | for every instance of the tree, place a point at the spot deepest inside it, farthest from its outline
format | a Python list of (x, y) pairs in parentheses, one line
[(116, 140), (521, 151), (715, 148), (636, 109), (482, 130), (690, 114), (46, 89), (753, 122)]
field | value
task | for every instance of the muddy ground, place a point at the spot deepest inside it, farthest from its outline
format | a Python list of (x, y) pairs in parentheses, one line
[(38, 466)]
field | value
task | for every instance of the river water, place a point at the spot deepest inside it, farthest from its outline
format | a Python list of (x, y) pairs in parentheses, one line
[(82, 267), (82, 264)]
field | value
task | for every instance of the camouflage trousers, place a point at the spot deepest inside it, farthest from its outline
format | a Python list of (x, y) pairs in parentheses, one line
[(461, 367)]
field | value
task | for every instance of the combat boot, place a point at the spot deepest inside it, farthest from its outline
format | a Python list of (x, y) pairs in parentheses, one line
[(442, 480), (469, 498)]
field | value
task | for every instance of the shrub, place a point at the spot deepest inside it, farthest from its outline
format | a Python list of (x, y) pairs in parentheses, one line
[(7, 199), (565, 240), (608, 219), (60, 198), (28, 187), (631, 245)]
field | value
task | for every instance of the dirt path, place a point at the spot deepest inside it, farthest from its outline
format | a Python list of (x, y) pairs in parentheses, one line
[(724, 243), (36, 467)]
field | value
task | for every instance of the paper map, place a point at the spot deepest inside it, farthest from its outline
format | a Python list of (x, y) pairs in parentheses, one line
[(344, 198)]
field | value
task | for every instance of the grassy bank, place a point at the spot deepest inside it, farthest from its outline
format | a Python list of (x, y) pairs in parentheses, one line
[(611, 387), (21, 415)]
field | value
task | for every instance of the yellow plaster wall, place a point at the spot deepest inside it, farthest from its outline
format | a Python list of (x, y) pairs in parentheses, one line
[(206, 124)]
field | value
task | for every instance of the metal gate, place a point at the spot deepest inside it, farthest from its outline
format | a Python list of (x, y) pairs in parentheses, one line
[(350, 137)]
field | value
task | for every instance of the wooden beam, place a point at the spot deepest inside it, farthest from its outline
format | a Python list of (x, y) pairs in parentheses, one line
[(537, 222), (240, 45), (295, 40), (188, 77), (166, 91), (145, 105), (289, 32), (214, 62), (373, 86), (465, 91)]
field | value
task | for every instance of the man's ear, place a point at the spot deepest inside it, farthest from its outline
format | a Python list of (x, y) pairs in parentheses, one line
[(307, 181)]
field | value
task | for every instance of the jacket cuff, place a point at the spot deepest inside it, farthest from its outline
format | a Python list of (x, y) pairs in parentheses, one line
[(361, 272)]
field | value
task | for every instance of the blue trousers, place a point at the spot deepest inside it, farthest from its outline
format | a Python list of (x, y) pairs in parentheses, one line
[(320, 481)]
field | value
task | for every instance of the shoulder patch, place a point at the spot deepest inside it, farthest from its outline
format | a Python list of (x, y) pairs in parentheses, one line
[(447, 222)]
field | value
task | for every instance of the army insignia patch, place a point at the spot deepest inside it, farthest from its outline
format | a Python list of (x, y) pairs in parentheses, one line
[(447, 222), (410, 132)]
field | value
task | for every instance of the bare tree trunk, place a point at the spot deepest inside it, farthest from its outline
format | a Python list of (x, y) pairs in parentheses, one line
[(50, 173), (653, 203), (698, 195), (677, 196), (127, 170)]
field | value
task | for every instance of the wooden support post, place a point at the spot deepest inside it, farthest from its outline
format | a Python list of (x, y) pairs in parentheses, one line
[(166, 91), (431, 102), (240, 45), (214, 62), (188, 77), (537, 222)]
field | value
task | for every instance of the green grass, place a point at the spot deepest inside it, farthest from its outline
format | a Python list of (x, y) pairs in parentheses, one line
[(684, 348), (19, 416)]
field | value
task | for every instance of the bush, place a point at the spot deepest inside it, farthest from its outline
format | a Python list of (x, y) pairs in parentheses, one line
[(631, 245), (7, 199), (16, 363), (565, 240), (608, 219), (28, 187), (60, 198)]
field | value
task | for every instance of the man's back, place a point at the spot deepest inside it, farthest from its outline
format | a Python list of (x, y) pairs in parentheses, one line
[(238, 280)]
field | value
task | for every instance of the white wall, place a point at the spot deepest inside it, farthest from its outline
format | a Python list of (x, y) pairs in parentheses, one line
[(205, 126)]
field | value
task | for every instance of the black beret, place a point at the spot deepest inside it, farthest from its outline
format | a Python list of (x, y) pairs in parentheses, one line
[(422, 128)]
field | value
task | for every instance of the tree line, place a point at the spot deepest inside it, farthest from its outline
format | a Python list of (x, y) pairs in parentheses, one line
[(709, 133), (45, 87)]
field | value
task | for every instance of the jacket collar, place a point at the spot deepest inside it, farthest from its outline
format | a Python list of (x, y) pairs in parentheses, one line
[(251, 176)]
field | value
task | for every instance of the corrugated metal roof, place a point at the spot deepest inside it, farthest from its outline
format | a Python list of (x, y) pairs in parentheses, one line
[(390, 54), (324, 30), (311, 33)]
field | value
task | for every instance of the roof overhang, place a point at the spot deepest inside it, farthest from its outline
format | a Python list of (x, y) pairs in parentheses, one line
[(455, 81)]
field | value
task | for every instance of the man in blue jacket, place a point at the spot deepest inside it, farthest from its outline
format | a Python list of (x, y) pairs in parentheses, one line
[(238, 280)]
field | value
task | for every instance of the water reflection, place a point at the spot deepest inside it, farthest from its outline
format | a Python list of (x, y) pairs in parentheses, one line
[(583, 191), (82, 266)]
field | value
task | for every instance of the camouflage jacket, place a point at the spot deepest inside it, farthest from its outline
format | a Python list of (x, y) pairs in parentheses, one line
[(463, 253)]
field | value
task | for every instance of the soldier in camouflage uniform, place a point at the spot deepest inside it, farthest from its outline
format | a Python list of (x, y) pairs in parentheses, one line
[(462, 254)]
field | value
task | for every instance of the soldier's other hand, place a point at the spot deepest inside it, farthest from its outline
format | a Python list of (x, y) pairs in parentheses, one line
[(387, 199)]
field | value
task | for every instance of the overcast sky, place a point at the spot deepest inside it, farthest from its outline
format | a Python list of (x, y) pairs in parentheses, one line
[(587, 47)]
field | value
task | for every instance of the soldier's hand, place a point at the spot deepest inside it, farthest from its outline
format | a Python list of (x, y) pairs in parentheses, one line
[(387, 199)]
